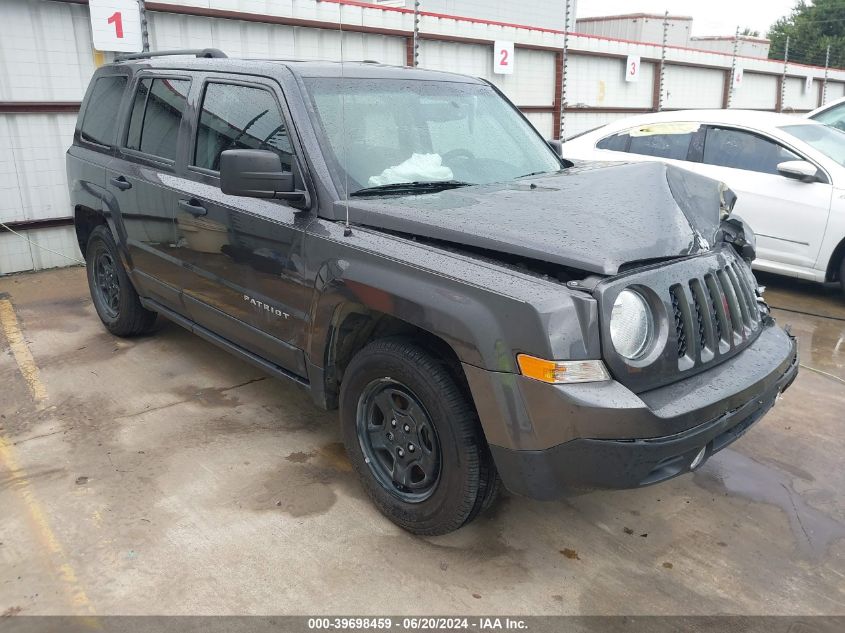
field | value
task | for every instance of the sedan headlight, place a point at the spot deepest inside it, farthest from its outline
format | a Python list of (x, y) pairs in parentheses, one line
[(631, 325)]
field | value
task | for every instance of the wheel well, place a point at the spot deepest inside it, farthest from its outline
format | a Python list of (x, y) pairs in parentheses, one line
[(359, 327), (85, 220), (835, 262)]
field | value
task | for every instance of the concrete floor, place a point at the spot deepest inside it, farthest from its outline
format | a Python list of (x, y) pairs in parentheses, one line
[(162, 476)]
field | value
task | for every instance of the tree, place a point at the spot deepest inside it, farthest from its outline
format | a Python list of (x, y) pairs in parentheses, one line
[(749, 32), (811, 26)]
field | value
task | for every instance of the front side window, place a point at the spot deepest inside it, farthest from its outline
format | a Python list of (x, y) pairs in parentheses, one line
[(830, 141), (98, 122), (737, 149), (156, 115), (240, 117), (377, 132)]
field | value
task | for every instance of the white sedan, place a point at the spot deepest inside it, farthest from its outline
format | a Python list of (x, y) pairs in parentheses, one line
[(788, 174)]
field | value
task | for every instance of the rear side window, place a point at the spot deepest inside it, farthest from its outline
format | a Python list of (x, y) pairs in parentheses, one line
[(616, 143), (98, 122), (672, 146), (239, 117), (156, 115), (743, 150)]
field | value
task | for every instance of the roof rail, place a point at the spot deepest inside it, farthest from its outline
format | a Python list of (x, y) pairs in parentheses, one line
[(197, 52)]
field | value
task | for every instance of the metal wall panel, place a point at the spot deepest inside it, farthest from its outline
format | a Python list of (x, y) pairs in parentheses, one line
[(532, 83), (757, 92), (17, 254), (578, 122), (687, 87), (45, 51), (835, 90), (548, 15), (33, 184), (600, 82), (252, 39), (795, 97), (543, 121)]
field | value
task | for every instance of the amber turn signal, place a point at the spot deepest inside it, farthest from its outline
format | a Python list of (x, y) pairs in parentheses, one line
[(561, 372)]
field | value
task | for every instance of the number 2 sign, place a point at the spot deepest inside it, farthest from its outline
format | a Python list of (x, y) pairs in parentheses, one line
[(116, 25), (632, 68), (503, 59)]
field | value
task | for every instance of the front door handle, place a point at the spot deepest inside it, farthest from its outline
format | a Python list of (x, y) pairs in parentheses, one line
[(193, 207), (121, 183)]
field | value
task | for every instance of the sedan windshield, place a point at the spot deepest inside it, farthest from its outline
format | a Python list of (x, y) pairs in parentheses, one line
[(380, 132), (828, 140)]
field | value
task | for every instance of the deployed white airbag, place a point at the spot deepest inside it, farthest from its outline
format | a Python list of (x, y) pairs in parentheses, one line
[(419, 167)]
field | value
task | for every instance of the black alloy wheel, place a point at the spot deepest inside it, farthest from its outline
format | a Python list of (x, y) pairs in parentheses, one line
[(398, 440), (107, 283)]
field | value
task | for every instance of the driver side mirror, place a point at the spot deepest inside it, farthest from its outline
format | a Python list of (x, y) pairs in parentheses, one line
[(556, 145), (799, 170), (257, 173)]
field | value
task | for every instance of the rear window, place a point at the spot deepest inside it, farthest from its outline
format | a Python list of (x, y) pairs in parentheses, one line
[(100, 118), (156, 115)]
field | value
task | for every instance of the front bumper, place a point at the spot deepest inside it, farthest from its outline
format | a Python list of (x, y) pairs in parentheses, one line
[(636, 439)]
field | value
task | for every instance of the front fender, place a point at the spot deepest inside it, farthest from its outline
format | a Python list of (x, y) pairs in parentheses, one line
[(485, 313)]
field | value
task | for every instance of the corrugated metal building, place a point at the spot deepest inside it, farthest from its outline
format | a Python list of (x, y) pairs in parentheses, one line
[(639, 27), (46, 60), (746, 45)]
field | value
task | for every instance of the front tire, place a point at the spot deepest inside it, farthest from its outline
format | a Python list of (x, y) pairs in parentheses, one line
[(114, 297), (414, 438)]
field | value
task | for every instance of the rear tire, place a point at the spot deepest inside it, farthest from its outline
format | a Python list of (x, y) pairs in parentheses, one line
[(842, 274), (414, 439), (114, 297)]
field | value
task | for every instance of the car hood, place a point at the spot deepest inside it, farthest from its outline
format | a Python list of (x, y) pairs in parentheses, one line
[(594, 217)]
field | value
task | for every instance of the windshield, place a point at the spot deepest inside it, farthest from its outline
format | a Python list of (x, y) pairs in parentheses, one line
[(377, 132), (823, 138)]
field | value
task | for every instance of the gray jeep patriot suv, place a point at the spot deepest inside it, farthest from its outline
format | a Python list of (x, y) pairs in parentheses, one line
[(405, 246)]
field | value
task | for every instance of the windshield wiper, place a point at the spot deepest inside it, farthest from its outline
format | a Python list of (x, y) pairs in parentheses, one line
[(428, 186)]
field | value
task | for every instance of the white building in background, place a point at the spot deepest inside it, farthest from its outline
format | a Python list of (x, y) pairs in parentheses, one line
[(547, 14), (747, 46), (648, 27), (638, 27)]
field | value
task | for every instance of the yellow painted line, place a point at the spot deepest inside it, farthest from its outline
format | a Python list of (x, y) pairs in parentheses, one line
[(26, 363), (41, 527), (9, 462)]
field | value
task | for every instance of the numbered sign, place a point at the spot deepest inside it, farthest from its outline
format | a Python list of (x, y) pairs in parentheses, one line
[(808, 84), (737, 78), (632, 68), (116, 25), (503, 58)]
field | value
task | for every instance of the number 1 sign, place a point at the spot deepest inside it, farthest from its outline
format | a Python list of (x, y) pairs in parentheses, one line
[(503, 58), (116, 25)]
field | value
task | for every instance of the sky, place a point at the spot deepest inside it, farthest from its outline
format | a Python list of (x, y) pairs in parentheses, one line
[(710, 17)]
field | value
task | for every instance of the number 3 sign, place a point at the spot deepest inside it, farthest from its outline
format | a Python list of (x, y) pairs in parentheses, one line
[(503, 58), (116, 25), (632, 68)]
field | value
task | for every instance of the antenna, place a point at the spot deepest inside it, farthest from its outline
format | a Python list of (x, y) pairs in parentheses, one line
[(347, 230)]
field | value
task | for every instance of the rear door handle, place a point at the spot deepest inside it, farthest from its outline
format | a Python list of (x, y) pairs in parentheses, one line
[(121, 183), (193, 207)]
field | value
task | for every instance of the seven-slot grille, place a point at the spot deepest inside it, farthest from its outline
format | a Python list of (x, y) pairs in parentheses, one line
[(713, 314)]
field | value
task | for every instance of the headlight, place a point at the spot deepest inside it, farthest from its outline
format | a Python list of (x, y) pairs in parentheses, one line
[(631, 325)]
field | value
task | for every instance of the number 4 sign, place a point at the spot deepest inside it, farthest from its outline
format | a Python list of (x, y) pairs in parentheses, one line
[(632, 68), (503, 58), (116, 25)]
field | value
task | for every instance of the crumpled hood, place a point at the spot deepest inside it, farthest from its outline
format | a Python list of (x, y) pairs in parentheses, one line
[(594, 216)]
